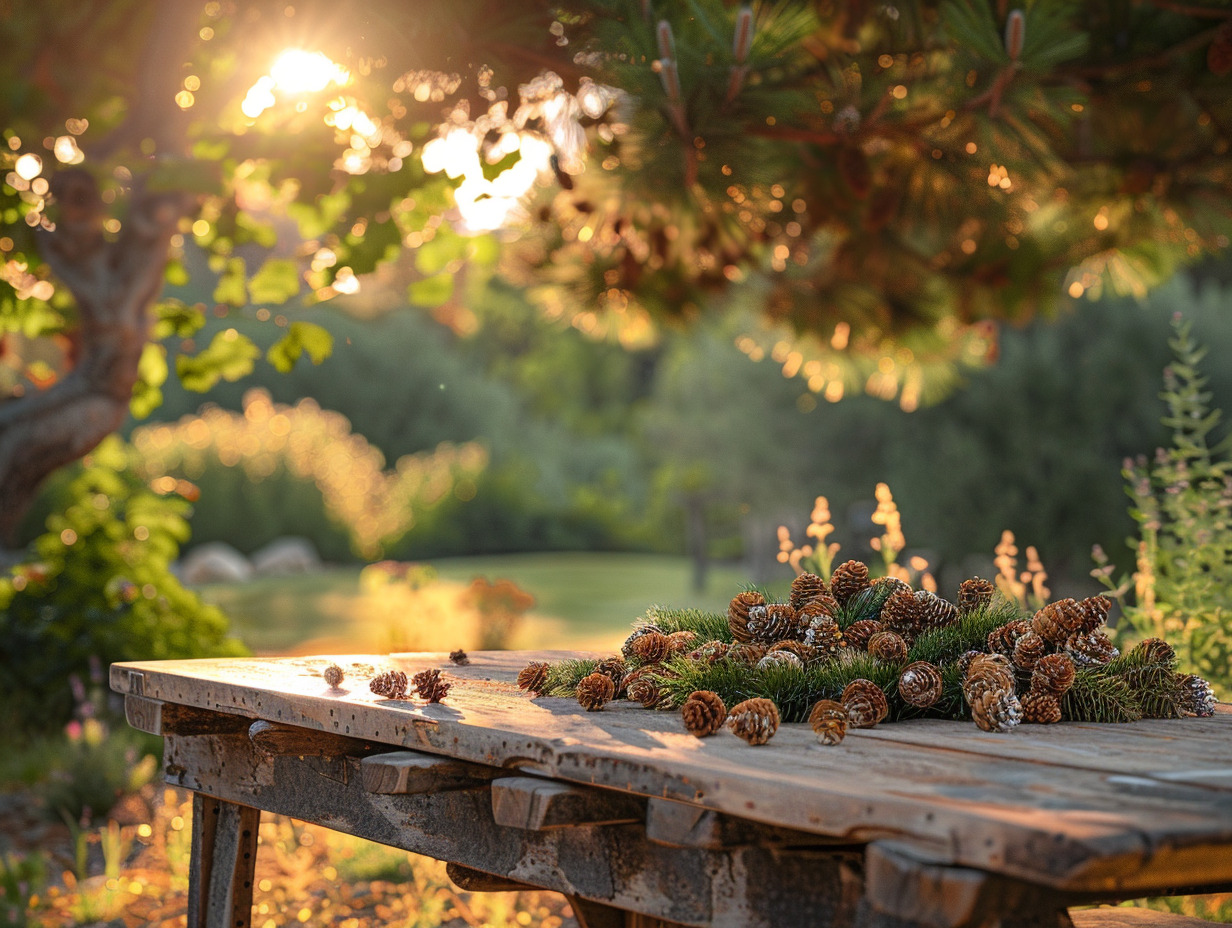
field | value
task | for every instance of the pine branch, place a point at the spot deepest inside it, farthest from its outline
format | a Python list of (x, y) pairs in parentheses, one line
[(1097, 697), (563, 677), (968, 633), (708, 626)]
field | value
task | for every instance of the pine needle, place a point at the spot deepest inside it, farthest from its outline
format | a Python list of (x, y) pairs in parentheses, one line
[(564, 676), (1098, 697), (708, 626), (969, 632)]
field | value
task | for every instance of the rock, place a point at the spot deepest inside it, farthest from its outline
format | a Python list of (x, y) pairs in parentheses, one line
[(214, 562), (284, 556)]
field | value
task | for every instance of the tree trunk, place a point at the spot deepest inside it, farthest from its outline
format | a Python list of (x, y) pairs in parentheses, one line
[(114, 283)]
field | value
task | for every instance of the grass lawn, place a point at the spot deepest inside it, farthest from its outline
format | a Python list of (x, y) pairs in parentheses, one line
[(582, 600)]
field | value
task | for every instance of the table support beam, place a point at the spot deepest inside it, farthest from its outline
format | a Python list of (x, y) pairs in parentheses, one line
[(224, 858)]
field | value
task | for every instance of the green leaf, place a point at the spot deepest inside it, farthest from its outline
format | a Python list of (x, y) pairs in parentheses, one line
[(276, 282), (151, 375), (232, 286), (301, 337), (229, 356), (434, 256), (431, 291), (174, 317)]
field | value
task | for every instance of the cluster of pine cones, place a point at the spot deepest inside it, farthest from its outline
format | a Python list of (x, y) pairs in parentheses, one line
[(427, 684)]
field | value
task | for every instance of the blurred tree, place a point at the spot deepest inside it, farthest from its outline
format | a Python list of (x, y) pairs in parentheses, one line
[(892, 172)]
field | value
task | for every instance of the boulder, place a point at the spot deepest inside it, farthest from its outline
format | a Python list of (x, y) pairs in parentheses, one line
[(284, 556), (214, 562)]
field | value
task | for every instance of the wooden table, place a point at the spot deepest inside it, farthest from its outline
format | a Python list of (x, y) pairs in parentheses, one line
[(927, 823)]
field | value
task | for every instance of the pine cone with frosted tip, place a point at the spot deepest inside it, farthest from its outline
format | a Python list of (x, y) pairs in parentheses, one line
[(755, 720), (1058, 620), (975, 593), (1053, 674), (746, 653), (990, 673), (900, 613), (391, 684), (1027, 651), (806, 653), (613, 667), (1094, 613), (865, 702), (709, 652), (333, 676), (857, 634), (595, 691), (1197, 696), (780, 659), (848, 579), (965, 660), (1092, 649), (703, 713), (772, 622), (805, 588), (1001, 640), (1041, 708), (920, 684), (824, 606), (828, 719), (651, 648), (738, 613), (931, 611), (888, 646), (626, 649), (824, 636), (996, 710), (532, 677), (430, 686)]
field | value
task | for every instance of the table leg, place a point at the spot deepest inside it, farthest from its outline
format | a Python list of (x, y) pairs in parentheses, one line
[(224, 857), (596, 915)]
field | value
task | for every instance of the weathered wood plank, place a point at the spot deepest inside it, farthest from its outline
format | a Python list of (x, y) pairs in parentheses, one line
[(168, 718), (476, 881), (223, 862), (276, 738), (683, 824), (1071, 827), (410, 772), (536, 804), (1135, 917)]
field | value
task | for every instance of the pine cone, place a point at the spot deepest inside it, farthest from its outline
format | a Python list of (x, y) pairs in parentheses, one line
[(965, 660), (430, 686), (805, 588), (1027, 651), (391, 684), (865, 702), (1094, 613), (651, 648), (613, 667), (1053, 674), (703, 713), (1057, 621), (920, 684), (1154, 651), (828, 720), (532, 677), (900, 613), (825, 606), (888, 646), (931, 611), (848, 579), (595, 691), (333, 676), (626, 649), (1197, 697), (858, 633), (747, 653), (975, 593), (1090, 650), (680, 642), (1002, 640), (772, 622), (806, 653), (738, 613), (648, 689), (996, 710), (1041, 708), (459, 657), (988, 673), (710, 652), (754, 720), (780, 659), (824, 635)]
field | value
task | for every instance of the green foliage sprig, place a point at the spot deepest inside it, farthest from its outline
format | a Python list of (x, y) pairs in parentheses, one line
[(968, 633), (564, 676), (708, 626)]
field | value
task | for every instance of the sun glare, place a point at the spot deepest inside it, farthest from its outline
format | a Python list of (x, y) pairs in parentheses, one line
[(300, 71)]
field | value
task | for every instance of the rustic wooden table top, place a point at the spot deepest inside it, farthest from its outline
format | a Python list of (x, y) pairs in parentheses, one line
[(1131, 808)]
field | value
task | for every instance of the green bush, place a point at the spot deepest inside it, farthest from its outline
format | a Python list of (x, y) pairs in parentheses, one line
[(99, 589)]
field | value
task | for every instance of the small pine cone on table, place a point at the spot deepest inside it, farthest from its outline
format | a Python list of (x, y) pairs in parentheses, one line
[(1057, 621), (613, 667), (1093, 649), (888, 646), (986, 676), (459, 657), (848, 579), (975, 593), (391, 684), (703, 713), (595, 691), (773, 622), (858, 633), (681, 642), (709, 652), (931, 611), (1027, 651), (824, 636), (626, 649), (738, 613), (755, 720), (1002, 640), (1053, 674), (1154, 651), (780, 659), (805, 588), (806, 653), (1041, 708), (746, 653), (920, 684), (333, 676), (900, 613), (996, 710), (647, 689), (533, 677), (1197, 696), (828, 719), (1094, 613), (430, 686), (865, 702), (651, 648)]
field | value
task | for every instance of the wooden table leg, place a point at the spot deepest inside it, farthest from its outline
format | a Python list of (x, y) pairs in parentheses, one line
[(596, 915), (224, 857)]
